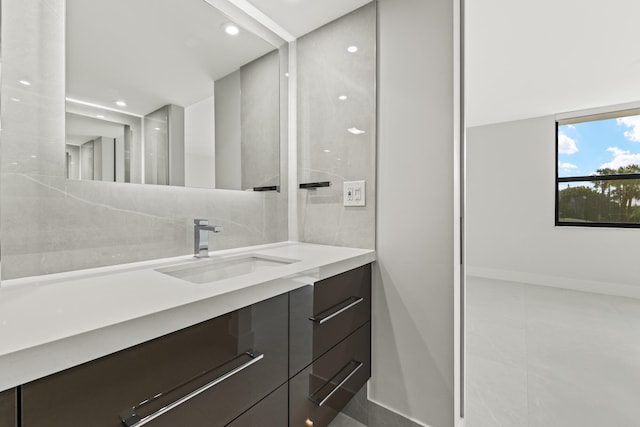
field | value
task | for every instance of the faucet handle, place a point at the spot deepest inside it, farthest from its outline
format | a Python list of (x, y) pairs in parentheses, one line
[(201, 221)]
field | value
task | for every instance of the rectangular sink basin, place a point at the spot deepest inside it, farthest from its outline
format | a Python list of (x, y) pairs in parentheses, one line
[(211, 270)]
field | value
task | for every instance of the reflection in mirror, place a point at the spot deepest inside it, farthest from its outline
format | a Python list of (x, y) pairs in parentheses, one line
[(99, 147), (158, 92)]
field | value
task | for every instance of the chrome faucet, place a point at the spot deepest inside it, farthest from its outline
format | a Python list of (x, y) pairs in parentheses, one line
[(201, 237)]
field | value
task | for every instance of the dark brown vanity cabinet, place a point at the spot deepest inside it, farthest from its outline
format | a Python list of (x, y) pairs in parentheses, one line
[(8, 408), (330, 346), (204, 375), (324, 314), (269, 412), (292, 360), (323, 389)]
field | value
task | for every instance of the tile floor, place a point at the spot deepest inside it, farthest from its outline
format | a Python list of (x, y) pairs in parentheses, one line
[(344, 421), (544, 357), (376, 415)]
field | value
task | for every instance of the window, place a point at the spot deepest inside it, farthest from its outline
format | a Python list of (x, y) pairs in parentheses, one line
[(598, 170)]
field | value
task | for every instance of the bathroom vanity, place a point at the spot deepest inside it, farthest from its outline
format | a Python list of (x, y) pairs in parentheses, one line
[(288, 344)]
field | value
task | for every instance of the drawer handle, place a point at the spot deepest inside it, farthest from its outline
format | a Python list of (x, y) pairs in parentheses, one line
[(321, 396), (131, 419), (336, 310)]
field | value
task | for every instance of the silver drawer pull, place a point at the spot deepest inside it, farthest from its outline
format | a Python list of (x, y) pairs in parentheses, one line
[(323, 394), (336, 310), (131, 419)]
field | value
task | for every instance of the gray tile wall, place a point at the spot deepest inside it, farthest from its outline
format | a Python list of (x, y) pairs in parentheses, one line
[(228, 150), (326, 150), (259, 98), (50, 224)]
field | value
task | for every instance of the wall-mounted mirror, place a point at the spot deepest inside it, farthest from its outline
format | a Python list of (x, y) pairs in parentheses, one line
[(170, 92)]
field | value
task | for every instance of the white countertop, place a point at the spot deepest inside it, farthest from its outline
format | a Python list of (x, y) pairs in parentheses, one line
[(50, 323)]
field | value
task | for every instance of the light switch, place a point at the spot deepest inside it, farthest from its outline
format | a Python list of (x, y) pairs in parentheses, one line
[(354, 193)]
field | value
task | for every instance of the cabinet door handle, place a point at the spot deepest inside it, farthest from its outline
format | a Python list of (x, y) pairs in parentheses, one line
[(323, 394), (337, 309), (130, 418)]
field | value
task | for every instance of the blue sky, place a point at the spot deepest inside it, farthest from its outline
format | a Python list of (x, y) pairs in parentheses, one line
[(586, 147)]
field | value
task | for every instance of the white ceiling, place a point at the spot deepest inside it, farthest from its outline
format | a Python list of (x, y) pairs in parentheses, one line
[(151, 52), (300, 17), (534, 58)]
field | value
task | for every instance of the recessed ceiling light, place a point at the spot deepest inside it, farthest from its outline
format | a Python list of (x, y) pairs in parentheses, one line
[(352, 49), (102, 107), (121, 103), (14, 163), (342, 97), (327, 151), (100, 116), (156, 128), (355, 131), (15, 99), (25, 82), (231, 29)]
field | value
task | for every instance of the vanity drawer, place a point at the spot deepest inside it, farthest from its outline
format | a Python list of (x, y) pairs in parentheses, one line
[(270, 411), (320, 391), (8, 408), (324, 314), (221, 367)]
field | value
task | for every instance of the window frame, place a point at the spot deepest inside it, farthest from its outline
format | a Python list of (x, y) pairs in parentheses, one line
[(573, 119)]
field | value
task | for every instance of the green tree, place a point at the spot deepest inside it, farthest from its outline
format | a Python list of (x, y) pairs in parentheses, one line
[(624, 192), (584, 204), (604, 185)]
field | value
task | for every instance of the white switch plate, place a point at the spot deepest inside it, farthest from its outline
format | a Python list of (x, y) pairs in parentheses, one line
[(354, 192)]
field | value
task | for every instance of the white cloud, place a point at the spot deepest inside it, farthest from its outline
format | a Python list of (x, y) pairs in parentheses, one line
[(621, 158), (567, 166), (632, 122), (618, 151), (566, 145)]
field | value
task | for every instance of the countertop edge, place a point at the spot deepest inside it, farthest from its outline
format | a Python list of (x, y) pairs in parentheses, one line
[(32, 363)]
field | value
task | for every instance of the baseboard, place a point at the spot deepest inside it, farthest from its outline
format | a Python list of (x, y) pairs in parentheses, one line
[(605, 288), (402, 417)]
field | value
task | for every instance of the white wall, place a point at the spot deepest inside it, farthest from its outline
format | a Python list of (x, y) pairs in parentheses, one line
[(413, 326), (510, 217), (199, 144)]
